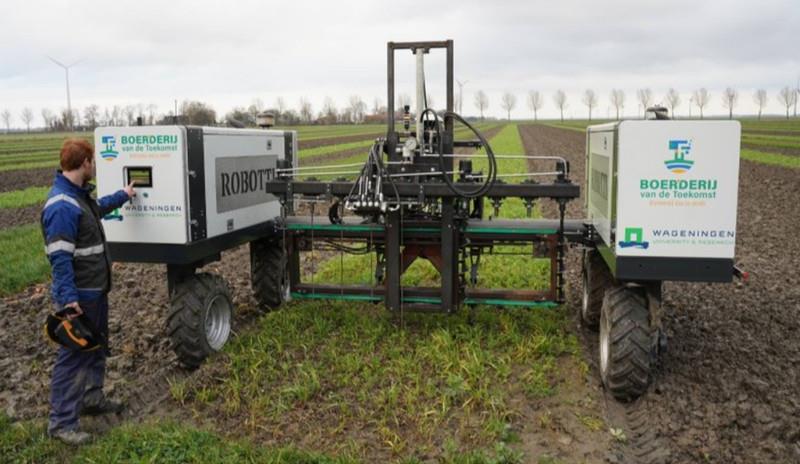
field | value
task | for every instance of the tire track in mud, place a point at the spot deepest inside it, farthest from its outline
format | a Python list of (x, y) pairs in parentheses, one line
[(639, 443)]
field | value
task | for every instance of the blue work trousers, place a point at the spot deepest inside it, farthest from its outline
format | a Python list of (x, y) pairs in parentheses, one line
[(78, 376)]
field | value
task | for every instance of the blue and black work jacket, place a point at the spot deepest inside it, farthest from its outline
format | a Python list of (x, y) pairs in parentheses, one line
[(75, 242)]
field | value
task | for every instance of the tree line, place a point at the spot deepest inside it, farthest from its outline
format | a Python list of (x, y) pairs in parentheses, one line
[(700, 98), (356, 110)]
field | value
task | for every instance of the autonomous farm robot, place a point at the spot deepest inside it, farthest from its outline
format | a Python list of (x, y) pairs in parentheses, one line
[(660, 201)]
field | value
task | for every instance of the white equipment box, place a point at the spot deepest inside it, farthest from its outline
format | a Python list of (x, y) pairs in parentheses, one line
[(196, 185), (662, 196)]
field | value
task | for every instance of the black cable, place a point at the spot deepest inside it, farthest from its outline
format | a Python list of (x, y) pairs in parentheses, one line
[(490, 177)]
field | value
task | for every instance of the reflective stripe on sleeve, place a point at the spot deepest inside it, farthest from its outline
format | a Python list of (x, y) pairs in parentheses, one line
[(88, 251), (60, 245), (61, 197)]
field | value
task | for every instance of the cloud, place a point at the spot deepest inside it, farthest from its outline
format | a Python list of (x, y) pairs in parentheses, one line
[(228, 53)]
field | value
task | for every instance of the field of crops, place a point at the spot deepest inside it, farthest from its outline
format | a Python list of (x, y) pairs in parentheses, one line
[(345, 382)]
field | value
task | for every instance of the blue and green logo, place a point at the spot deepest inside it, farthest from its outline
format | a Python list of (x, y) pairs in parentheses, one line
[(680, 150), (634, 238), (109, 153)]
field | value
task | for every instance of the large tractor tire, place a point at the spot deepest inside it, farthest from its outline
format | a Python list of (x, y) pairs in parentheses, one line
[(626, 342), (199, 322), (596, 279), (268, 274)]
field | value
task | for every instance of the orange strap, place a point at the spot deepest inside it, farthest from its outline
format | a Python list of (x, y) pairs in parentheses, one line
[(80, 341)]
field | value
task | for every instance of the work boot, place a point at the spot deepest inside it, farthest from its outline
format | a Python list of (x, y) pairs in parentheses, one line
[(71, 437), (102, 406)]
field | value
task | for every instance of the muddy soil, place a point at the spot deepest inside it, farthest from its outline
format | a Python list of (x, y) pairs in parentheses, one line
[(24, 178), (13, 217), (139, 343), (727, 387)]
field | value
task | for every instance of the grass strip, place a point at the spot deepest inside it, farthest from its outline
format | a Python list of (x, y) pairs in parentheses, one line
[(771, 158), (24, 262), (140, 443), (21, 198), (410, 386)]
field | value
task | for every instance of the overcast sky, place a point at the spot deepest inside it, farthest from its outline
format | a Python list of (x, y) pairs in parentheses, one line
[(228, 53)]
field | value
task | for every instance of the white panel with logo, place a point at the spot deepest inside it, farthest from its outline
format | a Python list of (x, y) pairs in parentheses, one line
[(677, 187), (154, 156)]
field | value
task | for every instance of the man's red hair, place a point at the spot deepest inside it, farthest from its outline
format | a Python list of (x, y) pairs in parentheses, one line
[(74, 152)]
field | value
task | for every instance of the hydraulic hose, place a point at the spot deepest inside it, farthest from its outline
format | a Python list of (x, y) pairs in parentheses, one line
[(491, 175)]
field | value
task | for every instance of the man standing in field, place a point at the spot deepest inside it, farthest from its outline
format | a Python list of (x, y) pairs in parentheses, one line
[(75, 245)]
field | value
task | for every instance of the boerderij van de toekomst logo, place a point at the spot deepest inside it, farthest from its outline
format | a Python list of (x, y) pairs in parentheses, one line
[(109, 153), (680, 150), (680, 188)]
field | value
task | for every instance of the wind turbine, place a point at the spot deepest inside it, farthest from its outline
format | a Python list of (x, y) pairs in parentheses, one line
[(461, 95), (69, 102)]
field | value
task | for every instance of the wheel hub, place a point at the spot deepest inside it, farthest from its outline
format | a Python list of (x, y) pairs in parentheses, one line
[(604, 346), (218, 322)]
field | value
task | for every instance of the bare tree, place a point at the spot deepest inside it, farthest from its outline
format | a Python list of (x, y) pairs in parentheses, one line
[(198, 113), (729, 98), (481, 102), (47, 116), (590, 100), (256, 107), (27, 117), (673, 100), (560, 98), (508, 102), (618, 100), (6, 115), (90, 114), (760, 98), (151, 113), (329, 110), (701, 98), (645, 97), (535, 103), (280, 105), (116, 113), (306, 114), (377, 104), (796, 95), (357, 109), (787, 96), (402, 100), (129, 111)]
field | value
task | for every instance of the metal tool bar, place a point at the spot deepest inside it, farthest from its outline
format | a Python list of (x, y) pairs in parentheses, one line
[(565, 190), (329, 166)]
